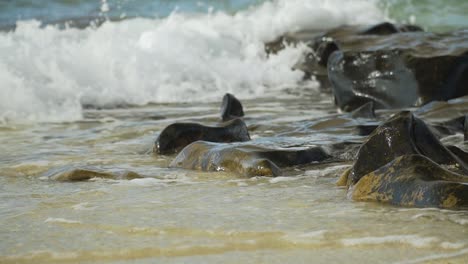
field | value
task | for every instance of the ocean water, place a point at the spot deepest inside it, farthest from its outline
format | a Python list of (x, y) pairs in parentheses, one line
[(167, 51), (91, 84)]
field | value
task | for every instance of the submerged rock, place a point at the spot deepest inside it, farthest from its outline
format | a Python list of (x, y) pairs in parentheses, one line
[(177, 136), (413, 180), (403, 134), (231, 108), (245, 160), (82, 174)]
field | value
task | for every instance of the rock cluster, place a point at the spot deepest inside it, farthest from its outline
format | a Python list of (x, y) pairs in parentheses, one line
[(401, 158)]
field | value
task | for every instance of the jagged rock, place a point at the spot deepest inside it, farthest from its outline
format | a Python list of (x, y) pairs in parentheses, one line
[(231, 108), (413, 180), (245, 160), (177, 136), (403, 134)]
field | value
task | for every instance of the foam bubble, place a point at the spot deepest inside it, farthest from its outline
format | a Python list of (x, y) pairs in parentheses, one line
[(48, 74)]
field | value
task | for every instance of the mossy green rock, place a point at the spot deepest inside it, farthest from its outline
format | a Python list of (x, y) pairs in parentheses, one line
[(403, 134), (413, 180)]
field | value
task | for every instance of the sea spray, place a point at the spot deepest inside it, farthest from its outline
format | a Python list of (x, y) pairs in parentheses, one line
[(48, 73)]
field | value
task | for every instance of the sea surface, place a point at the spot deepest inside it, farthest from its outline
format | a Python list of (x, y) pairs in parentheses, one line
[(90, 84)]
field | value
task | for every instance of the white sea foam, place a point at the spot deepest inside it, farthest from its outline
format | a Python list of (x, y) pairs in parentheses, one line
[(460, 221), (451, 245), (47, 74), (148, 182), (329, 171), (61, 221), (434, 257), (310, 237), (413, 240), (83, 207), (283, 179)]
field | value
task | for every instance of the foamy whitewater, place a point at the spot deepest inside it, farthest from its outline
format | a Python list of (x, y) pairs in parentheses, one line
[(48, 74)]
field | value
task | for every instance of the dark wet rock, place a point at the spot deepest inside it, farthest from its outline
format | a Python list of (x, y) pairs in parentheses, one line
[(324, 50), (403, 75), (245, 160), (465, 128), (343, 151), (177, 136), (396, 66), (413, 180), (365, 111), (403, 134), (83, 174), (231, 108), (410, 28), (387, 28), (323, 44), (365, 130), (460, 153), (315, 63)]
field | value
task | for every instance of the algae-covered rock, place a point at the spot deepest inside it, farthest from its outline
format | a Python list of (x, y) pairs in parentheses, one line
[(413, 180), (231, 108), (403, 134), (245, 160), (176, 136), (84, 174)]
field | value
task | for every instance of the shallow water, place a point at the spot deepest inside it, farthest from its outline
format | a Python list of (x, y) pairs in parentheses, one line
[(97, 98), (173, 215)]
